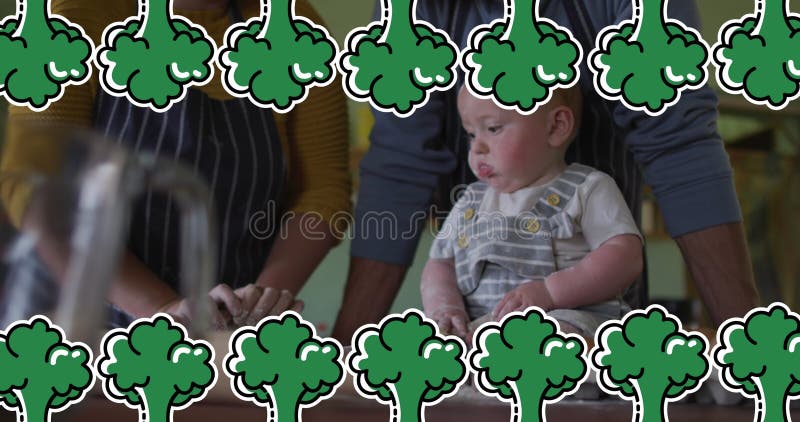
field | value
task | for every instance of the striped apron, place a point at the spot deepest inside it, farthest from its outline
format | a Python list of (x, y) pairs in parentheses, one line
[(234, 147), (236, 150)]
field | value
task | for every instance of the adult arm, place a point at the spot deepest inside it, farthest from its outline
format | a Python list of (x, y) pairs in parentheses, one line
[(719, 262), (316, 134), (302, 245), (685, 162), (398, 176)]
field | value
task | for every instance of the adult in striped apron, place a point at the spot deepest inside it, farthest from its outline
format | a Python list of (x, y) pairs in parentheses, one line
[(234, 147)]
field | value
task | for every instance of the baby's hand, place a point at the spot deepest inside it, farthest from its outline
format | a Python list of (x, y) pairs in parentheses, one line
[(531, 293), (452, 320)]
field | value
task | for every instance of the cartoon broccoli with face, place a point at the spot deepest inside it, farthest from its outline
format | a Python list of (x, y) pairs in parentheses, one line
[(648, 61), (276, 58), (152, 366), (154, 57), (758, 56), (520, 59), (284, 365), (647, 358), (405, 363), (41, 372), (41, 53), (396, 63), (524, 360), (758, 357)]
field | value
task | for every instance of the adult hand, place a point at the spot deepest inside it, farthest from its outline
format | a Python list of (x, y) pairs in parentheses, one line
[(227, 303), (231, 309), (530, 293), (260, 302), (220, 316)]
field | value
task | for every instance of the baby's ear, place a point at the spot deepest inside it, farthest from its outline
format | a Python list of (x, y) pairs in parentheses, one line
[(562, 126)]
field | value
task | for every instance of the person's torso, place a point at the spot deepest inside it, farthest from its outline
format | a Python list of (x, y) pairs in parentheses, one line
[(234, 147)]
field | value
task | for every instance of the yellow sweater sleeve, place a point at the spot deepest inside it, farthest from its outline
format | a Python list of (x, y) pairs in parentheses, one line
[(314, 135), (317, 131), (32, 139)]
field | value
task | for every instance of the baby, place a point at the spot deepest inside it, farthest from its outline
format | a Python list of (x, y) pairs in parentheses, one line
[(533, 231)]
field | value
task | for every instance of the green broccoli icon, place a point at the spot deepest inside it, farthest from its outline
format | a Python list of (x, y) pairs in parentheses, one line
[(757, 358), (152, 366), (154, 57), (274, 59), (520, 59), (40, 372), (650, 360), (396, 63), (646, 62), (42, 54), (405, 363), (283, 364), (525, 361), (757, 56)]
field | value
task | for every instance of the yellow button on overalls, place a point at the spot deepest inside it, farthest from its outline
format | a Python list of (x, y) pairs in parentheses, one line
[(533, 226), (469, 213), (553, 199)]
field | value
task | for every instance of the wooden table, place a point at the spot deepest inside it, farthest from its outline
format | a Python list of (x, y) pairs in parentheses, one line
[(358, 410), (347, 406)]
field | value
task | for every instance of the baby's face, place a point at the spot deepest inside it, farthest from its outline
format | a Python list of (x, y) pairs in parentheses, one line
[(508, 150)]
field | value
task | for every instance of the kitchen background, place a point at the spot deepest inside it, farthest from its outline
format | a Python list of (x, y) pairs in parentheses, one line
[(763, 145)]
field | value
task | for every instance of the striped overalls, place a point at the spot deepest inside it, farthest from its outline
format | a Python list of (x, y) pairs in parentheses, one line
[(495, 253)]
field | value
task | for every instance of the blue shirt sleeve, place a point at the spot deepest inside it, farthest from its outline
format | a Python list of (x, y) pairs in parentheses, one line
[(681, 152), (398, 177)]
